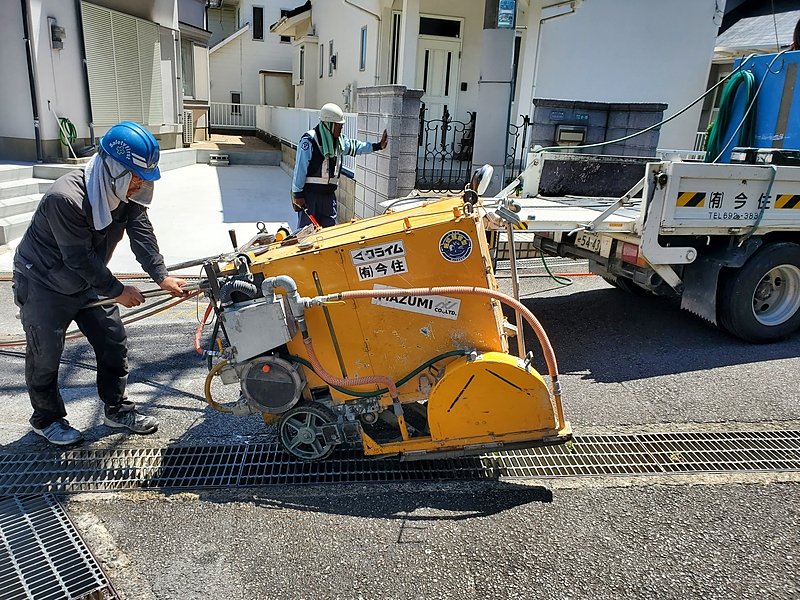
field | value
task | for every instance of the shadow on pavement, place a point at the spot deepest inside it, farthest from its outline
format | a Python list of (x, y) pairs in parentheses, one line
[(450, 501), (618, 337)]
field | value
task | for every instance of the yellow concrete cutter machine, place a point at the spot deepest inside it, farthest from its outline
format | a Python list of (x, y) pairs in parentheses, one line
[(386, 331)]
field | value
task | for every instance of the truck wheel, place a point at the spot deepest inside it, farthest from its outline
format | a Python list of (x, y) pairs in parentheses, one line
[(760, 302)]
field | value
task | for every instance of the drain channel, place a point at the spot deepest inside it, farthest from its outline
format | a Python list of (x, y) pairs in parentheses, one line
[(43, 557), (259, 464)]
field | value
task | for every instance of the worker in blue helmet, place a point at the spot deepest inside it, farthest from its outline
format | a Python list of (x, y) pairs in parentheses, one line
[(60, 267)]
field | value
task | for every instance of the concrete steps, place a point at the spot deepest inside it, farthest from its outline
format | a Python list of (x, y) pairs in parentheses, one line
[(21, 188), (12, 227), (14, 172), (19, 205)]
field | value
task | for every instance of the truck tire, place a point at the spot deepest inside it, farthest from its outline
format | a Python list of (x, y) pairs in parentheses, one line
[(760, 301)]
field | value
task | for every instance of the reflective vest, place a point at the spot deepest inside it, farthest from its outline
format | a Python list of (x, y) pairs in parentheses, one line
[(321, 171)]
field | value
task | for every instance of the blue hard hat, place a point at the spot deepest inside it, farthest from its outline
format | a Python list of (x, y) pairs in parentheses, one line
[(132, 145)]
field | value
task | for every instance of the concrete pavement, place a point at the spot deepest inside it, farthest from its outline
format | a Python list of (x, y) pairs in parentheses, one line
[(628, 364), (194, 207)]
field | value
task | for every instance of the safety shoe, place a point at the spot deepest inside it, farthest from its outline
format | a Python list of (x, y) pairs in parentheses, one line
[(60, 433), (125, 416)]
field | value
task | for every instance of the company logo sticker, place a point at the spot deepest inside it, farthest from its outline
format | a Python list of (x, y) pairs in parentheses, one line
[(455, 246), (443, 307), (121, 148), (371, 254)]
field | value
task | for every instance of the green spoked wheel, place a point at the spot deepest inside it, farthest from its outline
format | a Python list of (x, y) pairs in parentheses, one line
[(300, 431)]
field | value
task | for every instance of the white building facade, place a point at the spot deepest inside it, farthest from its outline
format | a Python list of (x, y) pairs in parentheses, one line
[(94, 63), (248, 65), (589, 50)]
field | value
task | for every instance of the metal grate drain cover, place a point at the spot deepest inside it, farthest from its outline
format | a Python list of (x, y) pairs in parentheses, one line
[(257, 464), (42, 556)]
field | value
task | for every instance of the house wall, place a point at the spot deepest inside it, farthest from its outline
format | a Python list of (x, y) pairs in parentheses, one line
[(342, 23), (60, 76), (16, 118), (632, 51), (237, 65), (227, 73), (192, 12), (221, 24), (471, 44)]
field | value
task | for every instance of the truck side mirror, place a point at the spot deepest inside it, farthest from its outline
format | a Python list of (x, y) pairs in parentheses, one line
[(481, 179)]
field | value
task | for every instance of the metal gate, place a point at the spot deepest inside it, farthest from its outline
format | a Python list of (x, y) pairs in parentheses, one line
[(517, 148), (444, 157)]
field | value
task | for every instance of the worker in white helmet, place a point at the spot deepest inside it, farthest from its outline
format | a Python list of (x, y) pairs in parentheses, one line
[(317, 167)]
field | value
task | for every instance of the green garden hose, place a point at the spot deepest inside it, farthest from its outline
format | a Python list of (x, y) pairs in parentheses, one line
[(66, 132), (716, 144)]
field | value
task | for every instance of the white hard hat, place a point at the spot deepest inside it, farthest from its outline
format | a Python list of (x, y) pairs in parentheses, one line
[(331, 113)]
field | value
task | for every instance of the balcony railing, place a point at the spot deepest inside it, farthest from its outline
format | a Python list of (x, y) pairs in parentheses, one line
[(288, 124), (227, 115)]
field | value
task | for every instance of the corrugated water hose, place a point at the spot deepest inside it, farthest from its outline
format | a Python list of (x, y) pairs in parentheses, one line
[(716, 144)]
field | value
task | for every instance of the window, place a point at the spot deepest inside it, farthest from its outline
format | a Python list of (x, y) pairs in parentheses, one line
[(331, 59), (394, 48), (285, 39), (187, 68), (362, 60), (321, 60), (236, 100), (258, 23), (440, 27), (302, 68), (299, 65), (124, 77)]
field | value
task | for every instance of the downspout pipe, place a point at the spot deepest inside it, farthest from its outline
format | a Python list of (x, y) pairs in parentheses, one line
[(82, 47), (32, 80)]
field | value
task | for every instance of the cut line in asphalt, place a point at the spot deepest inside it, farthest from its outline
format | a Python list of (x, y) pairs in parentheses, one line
[(264, 464)]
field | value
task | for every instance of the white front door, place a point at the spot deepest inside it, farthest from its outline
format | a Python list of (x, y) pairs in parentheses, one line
[(438, 62)]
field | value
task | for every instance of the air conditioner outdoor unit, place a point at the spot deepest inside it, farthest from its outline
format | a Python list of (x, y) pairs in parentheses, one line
[(188, 127)]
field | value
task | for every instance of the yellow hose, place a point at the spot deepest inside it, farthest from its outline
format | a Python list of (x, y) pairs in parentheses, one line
[(207, 388)]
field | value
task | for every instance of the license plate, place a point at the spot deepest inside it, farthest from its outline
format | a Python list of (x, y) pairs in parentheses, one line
[(588, 241)]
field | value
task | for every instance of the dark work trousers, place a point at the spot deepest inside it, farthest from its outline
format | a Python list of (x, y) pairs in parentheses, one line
[(46, 315), (321, 204)]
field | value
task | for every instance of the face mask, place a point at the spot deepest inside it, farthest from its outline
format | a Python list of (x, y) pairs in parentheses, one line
[(144, 195), (114, 180)]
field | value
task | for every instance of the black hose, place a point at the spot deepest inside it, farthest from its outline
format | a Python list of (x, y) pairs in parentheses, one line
[(236, 285)]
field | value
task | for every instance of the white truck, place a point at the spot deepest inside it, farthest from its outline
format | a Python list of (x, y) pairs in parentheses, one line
[(724, 238)]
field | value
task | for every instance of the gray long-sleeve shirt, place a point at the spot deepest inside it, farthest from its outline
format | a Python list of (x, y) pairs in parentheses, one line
[(63, 251)]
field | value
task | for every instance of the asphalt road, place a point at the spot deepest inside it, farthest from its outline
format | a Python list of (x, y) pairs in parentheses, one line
[(629, 364)]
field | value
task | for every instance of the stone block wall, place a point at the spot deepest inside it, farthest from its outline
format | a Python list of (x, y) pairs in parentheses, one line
[(390, 173), (382, 175), (603, 122)]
